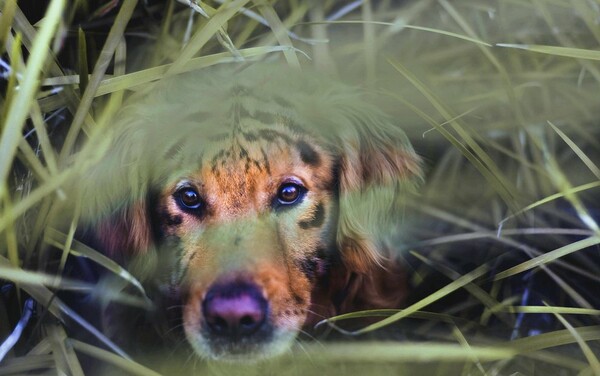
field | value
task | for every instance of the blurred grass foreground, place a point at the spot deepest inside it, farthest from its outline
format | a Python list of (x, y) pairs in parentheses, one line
[(499, 97)]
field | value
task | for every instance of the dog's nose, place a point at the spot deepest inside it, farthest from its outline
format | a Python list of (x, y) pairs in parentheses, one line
[(234, 310)]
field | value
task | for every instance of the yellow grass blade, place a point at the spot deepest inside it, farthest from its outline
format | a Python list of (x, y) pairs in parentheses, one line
[(453, 286), (405, 26), (106, 55), (549, 257), (577, 53), (203, 35), (17, 113), (6, 19), (378, 352), (585, 348), (125, 364)]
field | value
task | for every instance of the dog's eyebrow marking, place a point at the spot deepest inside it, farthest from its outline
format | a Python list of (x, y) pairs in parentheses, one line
[(317, 220), (266, 161), (272, 135), (173, 151), (250, 136), (308, 154)]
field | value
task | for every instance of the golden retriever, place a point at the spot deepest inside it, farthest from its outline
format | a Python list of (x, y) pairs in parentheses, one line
[(257, 198)]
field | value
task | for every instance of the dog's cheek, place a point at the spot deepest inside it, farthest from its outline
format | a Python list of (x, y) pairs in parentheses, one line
[(192, 314)]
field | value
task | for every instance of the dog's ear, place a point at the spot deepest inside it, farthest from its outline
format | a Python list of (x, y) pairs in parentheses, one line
[(125, 233), (113, 196), (345, 291), (377, 166)]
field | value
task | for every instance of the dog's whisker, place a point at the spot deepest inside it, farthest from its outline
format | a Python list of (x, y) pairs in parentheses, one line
[(308, 355), (170, 308), (306, 333), (174, 329)]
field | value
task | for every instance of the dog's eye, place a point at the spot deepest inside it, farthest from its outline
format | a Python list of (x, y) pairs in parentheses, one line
[(189, 198), (289, 193)]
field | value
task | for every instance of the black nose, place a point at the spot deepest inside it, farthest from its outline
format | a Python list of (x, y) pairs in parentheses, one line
[(234, 310)]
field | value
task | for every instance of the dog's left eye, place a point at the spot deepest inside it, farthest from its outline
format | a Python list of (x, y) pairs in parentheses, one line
[(189, 198), (289, 193)]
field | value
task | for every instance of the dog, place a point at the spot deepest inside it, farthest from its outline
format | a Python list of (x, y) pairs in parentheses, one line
[(257, 198)]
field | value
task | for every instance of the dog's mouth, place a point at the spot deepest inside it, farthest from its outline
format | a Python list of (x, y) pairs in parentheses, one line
[(234, 321), (247, 349)]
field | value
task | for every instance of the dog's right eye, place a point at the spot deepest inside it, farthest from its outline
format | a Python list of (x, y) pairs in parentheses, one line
[(189, 198)]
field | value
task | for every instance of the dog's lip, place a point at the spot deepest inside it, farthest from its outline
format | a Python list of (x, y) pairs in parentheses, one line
[(236, 350), (245, 350)]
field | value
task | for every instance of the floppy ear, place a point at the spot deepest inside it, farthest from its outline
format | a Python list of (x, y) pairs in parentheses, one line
[(139, 151), (113, 194), (342, 291), (128, 232), (377, 165)]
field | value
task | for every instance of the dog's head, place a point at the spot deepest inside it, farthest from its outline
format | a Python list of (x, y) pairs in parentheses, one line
[(258, 196)]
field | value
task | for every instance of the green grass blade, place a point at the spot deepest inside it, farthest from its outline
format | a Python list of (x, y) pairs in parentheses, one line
[(22, 25), (34, 197), (106, 55), (12, 247), (585, 348), (369, 42), (83, 61), (27, 365), (17, 275), (6, 20), (556, 196), (423, 315), (125, 364), (506, 79), (478, 157), (15, 58), (584, 158), (490, 303), (549, 257), (17, 113), (378, 352), (578, 53), (554, 309), (65, 358), (554, 339), (280, 32), (462, 340), (43, 137), (59, 239), (406, 26), (453, 286), (61, 311), (134, 79), (203, 35)]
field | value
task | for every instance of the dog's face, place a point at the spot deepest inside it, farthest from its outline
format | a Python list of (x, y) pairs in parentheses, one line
[(260, 196), (252, 226)]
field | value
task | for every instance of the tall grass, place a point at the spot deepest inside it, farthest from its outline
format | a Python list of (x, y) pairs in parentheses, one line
[(500, 98)]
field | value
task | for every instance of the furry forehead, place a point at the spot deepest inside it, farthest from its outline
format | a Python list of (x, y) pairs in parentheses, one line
[(164, 128)]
